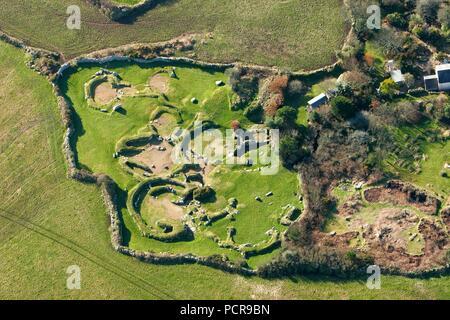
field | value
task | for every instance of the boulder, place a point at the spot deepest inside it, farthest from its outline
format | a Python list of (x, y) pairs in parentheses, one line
[(233, 202)]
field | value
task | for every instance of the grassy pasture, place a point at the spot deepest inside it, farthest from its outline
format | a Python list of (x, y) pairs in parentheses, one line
[(54, 223), (436, 155), (245, 186), (295, 34)]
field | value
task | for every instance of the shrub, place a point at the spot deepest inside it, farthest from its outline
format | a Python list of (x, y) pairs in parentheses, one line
[(235, 124), (444, 16), (342, 107), (352, 51), (344, 89), (291, 151), (447, 111), (243, 84), (415, 21), (408, 113), (392, 4), (271, 107), (374, 104), (389, 88), (355, 79), (441, 56), (278, 85), (295, 88), (434, 36), (254, 112), (420, 31), (441, 108), (428, 9), (314, 117), (391, 41), (369, 59), (285, 118), (293, 233), (409, 80), (396, 20)]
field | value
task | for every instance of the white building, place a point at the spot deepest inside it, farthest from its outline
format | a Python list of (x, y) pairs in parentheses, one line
[(396, 74), (440, 81)]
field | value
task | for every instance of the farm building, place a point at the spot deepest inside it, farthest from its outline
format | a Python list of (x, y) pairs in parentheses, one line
[(316, 102), (439, 81), (398, 77), (396, 74)]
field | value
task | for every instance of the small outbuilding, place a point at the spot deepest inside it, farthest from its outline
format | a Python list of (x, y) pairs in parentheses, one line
[(398, 77), (396, 74), (316, 102)]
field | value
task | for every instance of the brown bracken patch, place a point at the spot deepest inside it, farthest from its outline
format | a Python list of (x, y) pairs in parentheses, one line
[(398, 193)]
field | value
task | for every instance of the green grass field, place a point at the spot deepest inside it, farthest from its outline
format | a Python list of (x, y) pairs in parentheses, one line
[(430, 176), (296, 34), (48, 223)]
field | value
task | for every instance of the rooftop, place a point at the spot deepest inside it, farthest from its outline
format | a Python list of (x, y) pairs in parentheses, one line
[(443, 75), (397, 76), (442, 67), (316, 101), (431, 83)]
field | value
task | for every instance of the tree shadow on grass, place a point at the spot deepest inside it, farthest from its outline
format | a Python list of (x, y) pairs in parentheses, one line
[(134, 14), (122, 197)]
